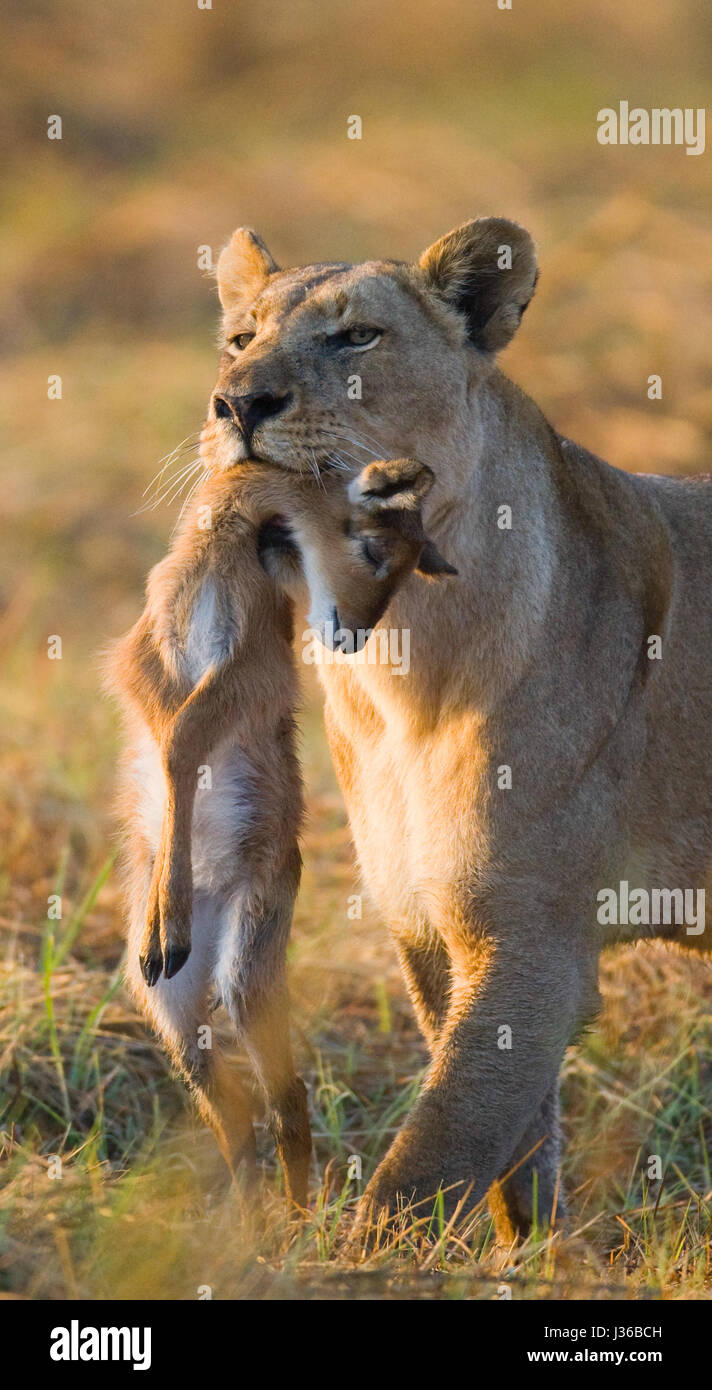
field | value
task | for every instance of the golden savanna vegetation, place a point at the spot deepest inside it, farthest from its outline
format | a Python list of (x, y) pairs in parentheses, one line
[(177, 124)]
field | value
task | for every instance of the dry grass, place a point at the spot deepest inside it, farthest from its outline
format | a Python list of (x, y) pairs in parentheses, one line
[(224, 123)]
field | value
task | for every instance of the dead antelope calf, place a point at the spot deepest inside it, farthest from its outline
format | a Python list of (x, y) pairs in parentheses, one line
[(212, 798)]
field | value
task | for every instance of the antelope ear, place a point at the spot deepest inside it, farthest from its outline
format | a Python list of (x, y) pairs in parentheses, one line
[(388, 485), (432, 563), (244, 267), (487, 270)]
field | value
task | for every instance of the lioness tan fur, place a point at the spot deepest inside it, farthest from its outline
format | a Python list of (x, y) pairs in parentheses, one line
[(208, 682), (553, 736)]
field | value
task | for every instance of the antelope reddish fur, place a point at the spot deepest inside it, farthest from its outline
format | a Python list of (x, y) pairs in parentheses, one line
[(212, 797)]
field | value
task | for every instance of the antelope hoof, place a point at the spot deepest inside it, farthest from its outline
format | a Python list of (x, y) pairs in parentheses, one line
[(176, 957), (151, 967)]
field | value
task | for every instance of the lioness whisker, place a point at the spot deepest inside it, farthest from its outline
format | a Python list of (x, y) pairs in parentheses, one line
[(371, 441), (357, 463), (202, 478), (335, 461), (166, 483), (173, 485), (176, 478), (168, 458), (348, 439), (196, 468), (316, 470)]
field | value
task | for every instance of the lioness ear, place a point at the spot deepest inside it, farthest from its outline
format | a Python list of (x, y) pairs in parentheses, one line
[(243, 269), (432, 563), (486, 269)]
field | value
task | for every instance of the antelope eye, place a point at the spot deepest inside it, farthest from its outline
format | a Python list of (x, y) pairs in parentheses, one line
[(241, 340), (374, 554), (361, 336)]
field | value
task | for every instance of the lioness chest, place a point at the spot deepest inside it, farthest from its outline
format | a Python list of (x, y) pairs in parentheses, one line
[(414, 796)]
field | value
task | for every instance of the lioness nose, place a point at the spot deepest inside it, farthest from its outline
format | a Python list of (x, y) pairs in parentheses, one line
[(248, 411)]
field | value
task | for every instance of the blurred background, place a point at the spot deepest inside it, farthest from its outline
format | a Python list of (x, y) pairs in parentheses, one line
[(177, 125)]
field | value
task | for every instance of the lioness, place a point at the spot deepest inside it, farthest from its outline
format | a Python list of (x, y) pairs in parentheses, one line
[(552, 738)]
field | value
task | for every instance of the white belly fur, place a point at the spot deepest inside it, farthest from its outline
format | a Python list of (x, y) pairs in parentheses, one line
[(208, 640), (221, 816)]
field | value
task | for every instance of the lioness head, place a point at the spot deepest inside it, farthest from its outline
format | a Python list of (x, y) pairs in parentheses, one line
[(330, 365)]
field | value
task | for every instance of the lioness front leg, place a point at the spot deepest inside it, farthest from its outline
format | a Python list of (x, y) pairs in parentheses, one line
[(511, 1016), (529, 1192), (425, 964)]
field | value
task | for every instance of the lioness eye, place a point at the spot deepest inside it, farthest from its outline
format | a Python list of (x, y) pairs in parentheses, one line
[(241, 340), (361, 337)]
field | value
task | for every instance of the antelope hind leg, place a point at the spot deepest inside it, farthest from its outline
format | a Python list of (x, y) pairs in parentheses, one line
[(254, 988), (179, 1010)]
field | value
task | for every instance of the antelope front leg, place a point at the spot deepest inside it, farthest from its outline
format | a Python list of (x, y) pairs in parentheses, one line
[(166, 939), (496, 1060), (150, 949), (175, 889), (195, 729)]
